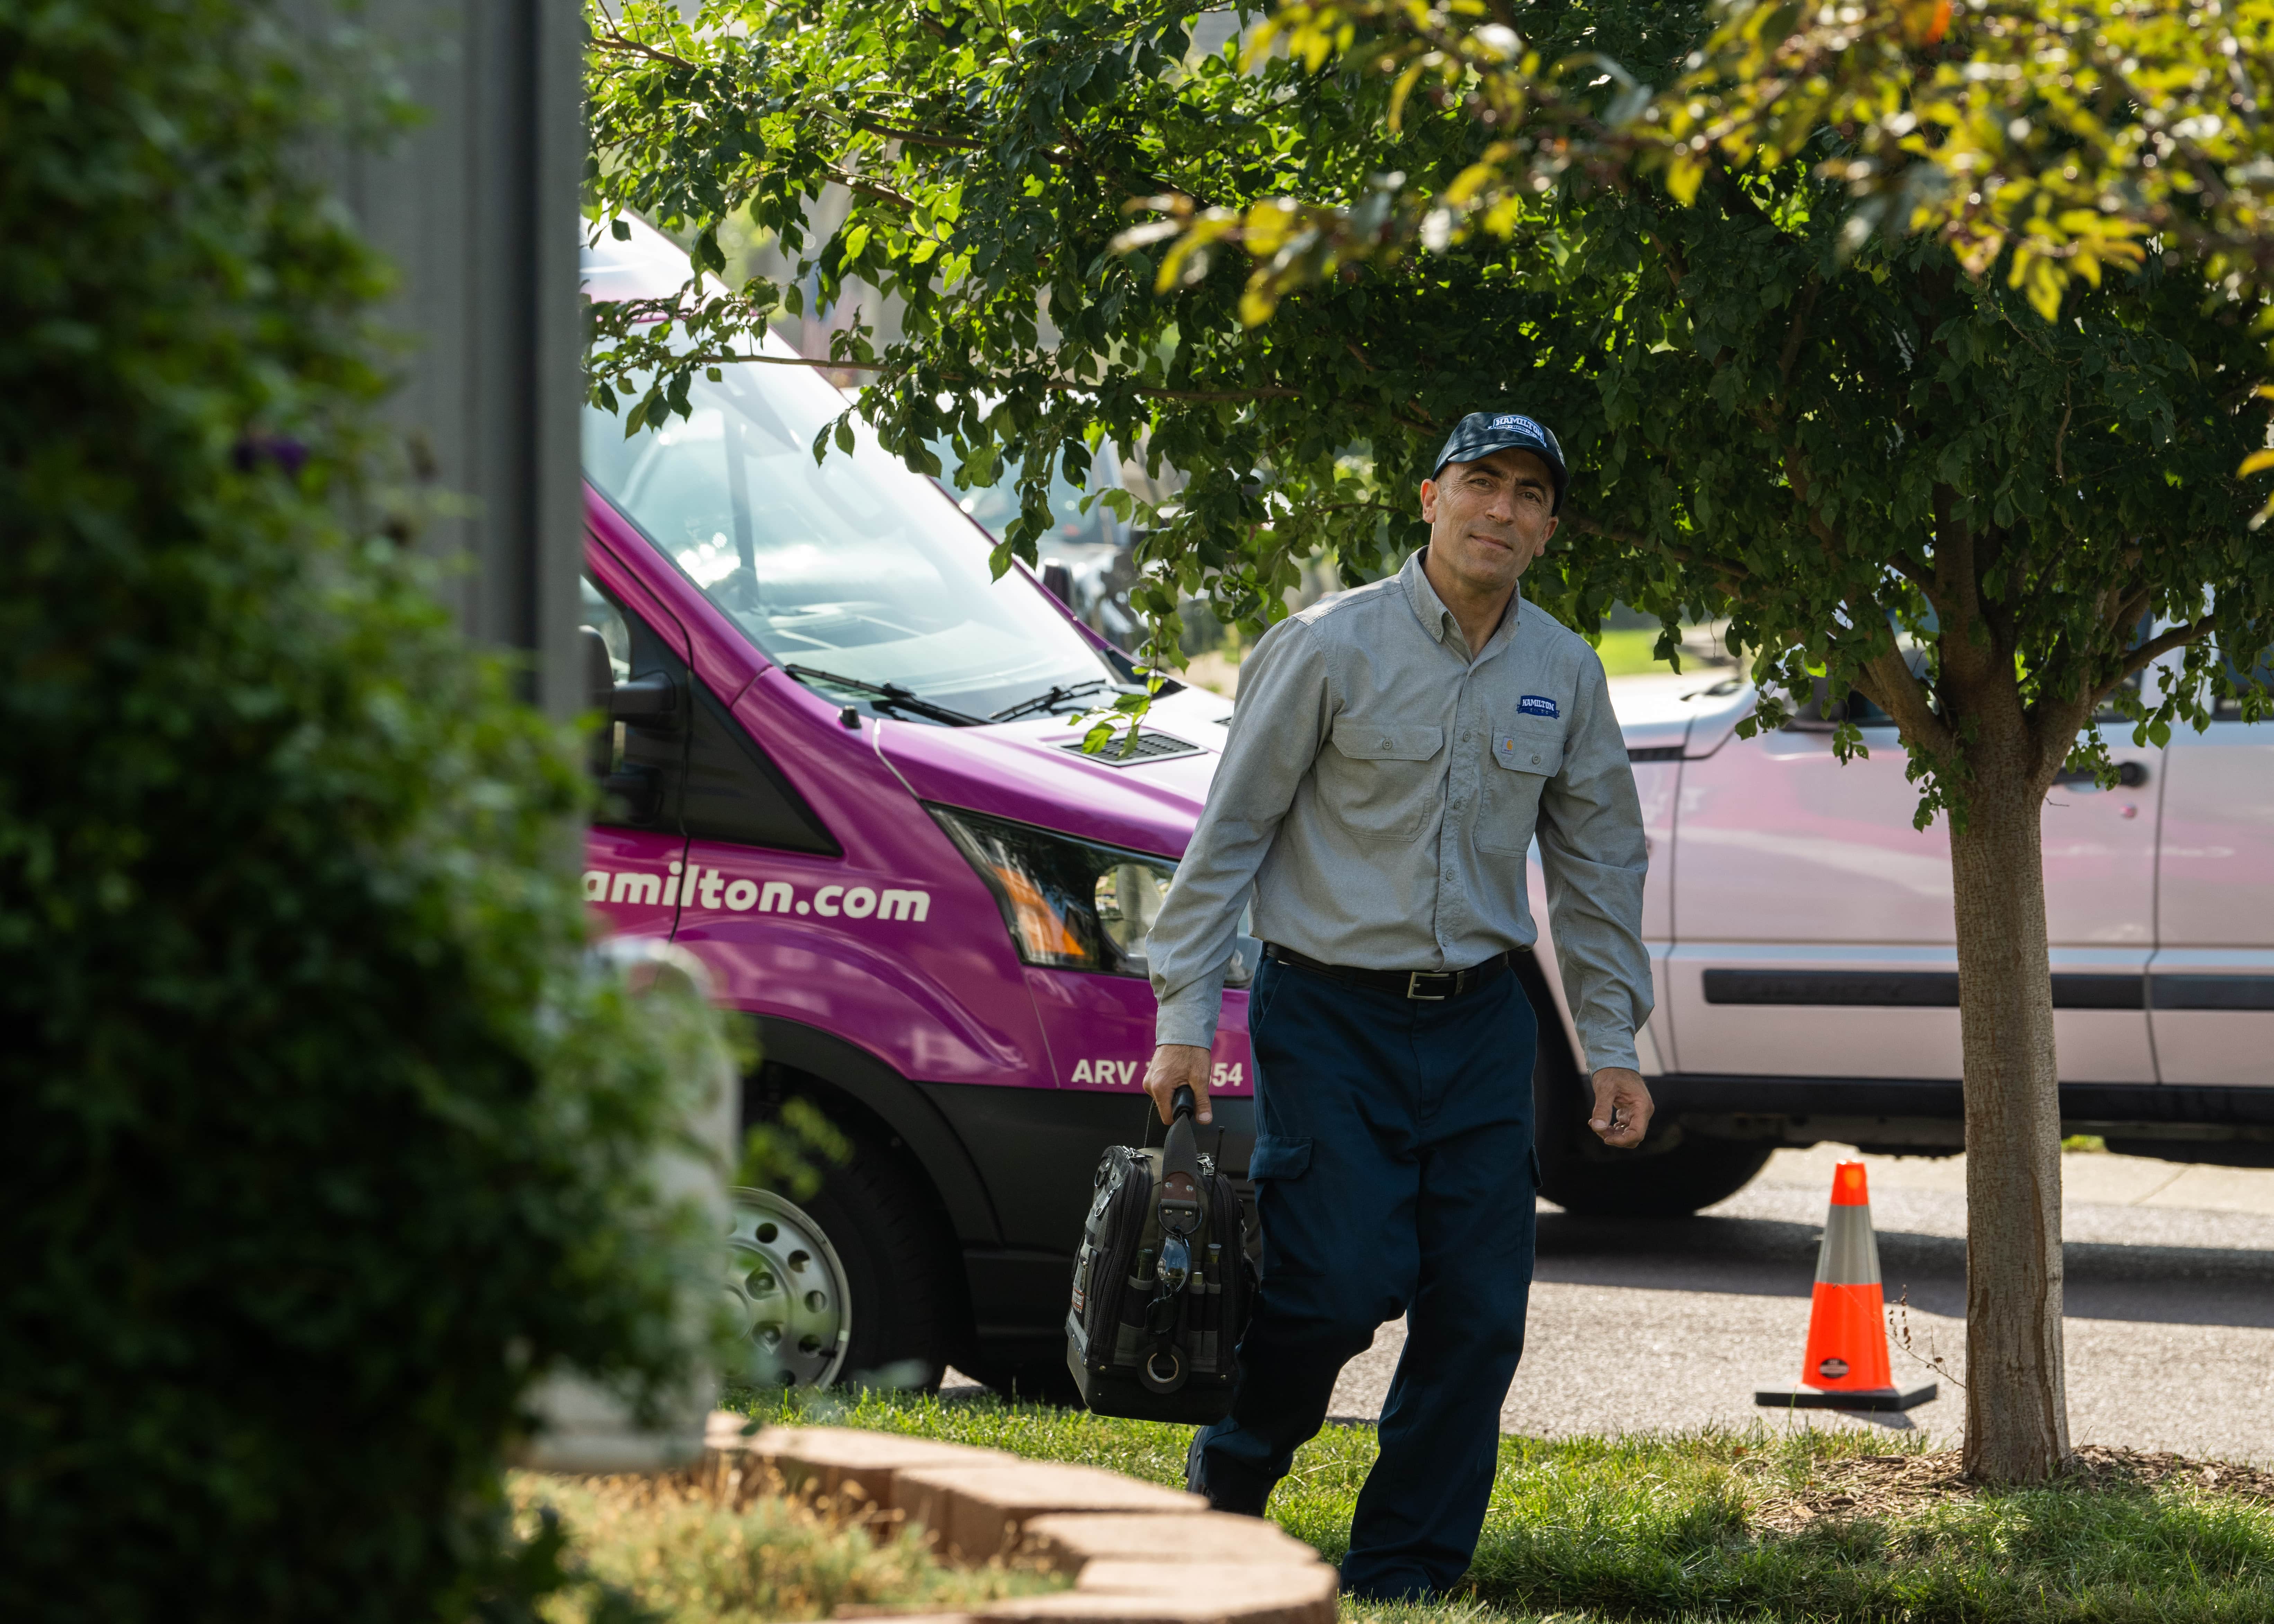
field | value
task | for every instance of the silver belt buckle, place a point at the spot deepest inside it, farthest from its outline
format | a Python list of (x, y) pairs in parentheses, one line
[(1413, 985)]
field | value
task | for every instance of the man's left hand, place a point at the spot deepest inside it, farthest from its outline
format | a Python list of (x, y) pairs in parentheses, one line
[(1622, 1108)]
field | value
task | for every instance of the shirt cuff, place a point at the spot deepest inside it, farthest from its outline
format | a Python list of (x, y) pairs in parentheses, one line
[(1189, 1018), (1610, 1050)]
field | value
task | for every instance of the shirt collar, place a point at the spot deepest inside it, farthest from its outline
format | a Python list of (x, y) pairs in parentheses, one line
[(1430, 610)]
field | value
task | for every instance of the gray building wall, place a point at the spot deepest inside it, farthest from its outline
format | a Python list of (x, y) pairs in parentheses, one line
[(478, 208)]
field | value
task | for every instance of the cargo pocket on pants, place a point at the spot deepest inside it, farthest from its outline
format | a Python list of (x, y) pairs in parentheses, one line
[(1278, 1158)]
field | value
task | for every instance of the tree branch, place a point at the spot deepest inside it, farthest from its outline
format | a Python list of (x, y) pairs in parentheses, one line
[(1939, 501), (616, 41), (1914, 571), (2120, 607), (1957, 598), (1793, 335), (1676, 266), (1904, 697), (2149, 653), (1067, 385), (1796, 474), (1734, 572), (1625, 537), (1588, 526), (870, 189), (915, 137), (2000, 614)]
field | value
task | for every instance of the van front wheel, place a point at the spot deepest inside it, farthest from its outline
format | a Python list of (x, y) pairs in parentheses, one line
[(1672, 1175), (786, 1287), (873, 1222), (1671, 1183)]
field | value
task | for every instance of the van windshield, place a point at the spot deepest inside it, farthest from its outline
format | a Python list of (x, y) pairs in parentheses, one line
[(853, 566)]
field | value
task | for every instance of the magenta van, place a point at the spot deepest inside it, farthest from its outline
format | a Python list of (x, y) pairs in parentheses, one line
[(844, 772)]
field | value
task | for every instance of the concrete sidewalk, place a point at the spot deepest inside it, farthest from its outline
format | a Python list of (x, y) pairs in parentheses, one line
[(2088, 1179)]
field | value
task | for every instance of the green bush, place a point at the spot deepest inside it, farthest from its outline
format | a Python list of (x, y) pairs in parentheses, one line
[(321, 1146)]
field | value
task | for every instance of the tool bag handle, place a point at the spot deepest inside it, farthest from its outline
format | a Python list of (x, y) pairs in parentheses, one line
[(1181, 1106), (1180, 1151), (1180, 1199), (1180, 1208)]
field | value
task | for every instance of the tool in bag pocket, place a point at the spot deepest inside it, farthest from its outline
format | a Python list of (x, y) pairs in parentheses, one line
[(1162, 1283)]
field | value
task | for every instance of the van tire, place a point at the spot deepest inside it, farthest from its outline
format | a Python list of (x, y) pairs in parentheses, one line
[(883, 1221), (1673, 1174), (1673, 1183)]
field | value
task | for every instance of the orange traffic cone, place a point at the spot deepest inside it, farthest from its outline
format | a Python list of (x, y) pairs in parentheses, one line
[(1846, 1365)]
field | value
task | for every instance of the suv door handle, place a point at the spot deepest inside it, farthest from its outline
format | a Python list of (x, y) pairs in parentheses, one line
[(2129, 775)]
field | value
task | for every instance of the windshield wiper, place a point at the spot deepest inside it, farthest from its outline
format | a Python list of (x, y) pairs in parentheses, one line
[(1044, 702), (891, 697)]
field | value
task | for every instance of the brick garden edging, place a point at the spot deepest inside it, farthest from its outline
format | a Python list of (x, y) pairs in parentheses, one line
[(1138, 1553)]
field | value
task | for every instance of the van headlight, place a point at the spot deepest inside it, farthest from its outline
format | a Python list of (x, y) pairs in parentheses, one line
[(1069, 904)]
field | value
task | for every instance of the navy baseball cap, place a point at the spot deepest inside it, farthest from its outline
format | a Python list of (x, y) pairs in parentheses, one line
[(1481, 433)]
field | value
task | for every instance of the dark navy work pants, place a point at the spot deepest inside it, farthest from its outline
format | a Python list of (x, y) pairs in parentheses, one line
[(1394, 1174)]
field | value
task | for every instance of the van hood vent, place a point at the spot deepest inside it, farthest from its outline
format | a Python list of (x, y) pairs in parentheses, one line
[(1150, 747)]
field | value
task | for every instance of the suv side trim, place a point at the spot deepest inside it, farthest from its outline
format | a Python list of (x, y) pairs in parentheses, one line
[(1910, 989), (1681, 1093)]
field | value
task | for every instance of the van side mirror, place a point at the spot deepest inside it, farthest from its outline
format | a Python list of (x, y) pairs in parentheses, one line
[(648, 697), (599, 670), (655, 695)]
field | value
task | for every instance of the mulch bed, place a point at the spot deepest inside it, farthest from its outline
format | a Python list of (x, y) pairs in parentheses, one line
[(1894, 1486)]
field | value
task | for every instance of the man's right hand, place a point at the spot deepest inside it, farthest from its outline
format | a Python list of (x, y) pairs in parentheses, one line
[(1174, 1066)]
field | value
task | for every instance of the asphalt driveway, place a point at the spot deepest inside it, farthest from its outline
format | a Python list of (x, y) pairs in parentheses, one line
[(1638, 1325)]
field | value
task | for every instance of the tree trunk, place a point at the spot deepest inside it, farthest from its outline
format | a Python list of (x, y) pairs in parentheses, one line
[(2016, 1396)]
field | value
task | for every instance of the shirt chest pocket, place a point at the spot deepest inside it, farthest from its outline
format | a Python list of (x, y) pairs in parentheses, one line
[(1525, 754), (1379, 781)]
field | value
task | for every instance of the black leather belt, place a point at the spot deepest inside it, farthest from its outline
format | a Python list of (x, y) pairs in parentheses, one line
[(1432, 986)]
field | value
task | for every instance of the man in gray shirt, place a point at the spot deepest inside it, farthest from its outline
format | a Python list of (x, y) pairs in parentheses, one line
[(1392, 755)]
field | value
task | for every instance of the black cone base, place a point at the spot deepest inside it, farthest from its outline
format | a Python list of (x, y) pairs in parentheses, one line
[(1800, 1395)]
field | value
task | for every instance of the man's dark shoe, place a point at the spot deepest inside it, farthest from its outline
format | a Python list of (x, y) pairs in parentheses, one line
[(1196, 1480)]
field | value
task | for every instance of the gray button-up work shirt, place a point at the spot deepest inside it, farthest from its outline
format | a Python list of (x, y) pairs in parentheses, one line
[(1380, 789)]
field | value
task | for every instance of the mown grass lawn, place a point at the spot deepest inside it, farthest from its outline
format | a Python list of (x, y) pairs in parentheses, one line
[(1753, 1526), (1630, 653)]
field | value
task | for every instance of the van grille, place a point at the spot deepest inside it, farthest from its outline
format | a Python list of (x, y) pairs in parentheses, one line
[(1150, 747)]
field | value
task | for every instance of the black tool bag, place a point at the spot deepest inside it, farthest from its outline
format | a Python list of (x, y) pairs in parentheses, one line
[(1162, 1283)]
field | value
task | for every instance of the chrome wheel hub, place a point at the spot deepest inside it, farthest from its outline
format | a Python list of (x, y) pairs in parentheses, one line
[(786, 1285)]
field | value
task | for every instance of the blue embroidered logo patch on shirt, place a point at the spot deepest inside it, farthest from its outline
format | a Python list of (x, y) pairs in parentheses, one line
[(1536, 704)]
